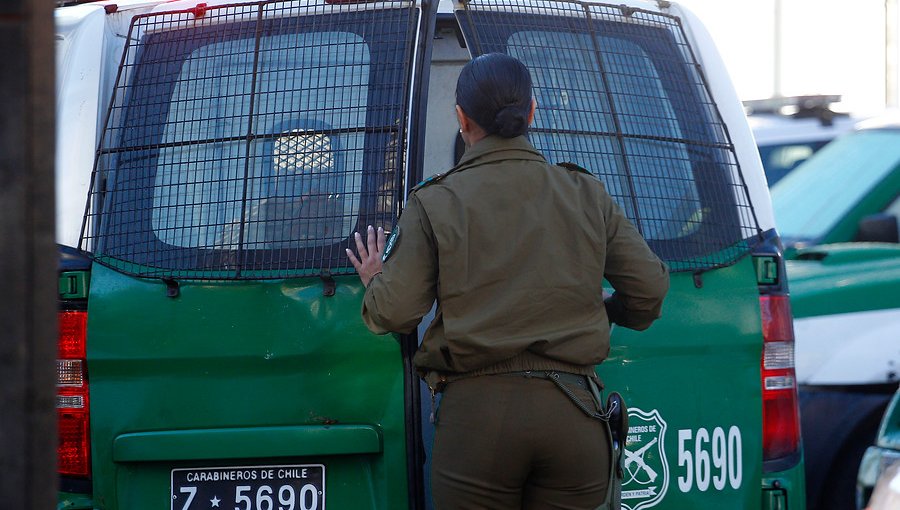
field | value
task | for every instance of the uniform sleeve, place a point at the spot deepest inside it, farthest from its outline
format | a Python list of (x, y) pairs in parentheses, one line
[(639, 278), (398, 298)]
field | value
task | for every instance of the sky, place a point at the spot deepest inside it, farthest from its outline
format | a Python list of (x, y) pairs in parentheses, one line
[(827, 47)]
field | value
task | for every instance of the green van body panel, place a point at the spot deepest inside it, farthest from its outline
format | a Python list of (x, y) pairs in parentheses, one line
[(258, 373), (272, 360), (842, 278), (659, 369)]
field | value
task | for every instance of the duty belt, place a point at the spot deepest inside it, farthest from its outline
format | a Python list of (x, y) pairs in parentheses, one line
[(578, 380), (565, 379)]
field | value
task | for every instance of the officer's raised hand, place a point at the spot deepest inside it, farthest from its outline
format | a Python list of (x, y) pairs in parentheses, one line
[(369, 262)]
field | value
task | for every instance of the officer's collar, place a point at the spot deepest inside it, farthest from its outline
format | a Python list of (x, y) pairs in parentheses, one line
[(495, 148)]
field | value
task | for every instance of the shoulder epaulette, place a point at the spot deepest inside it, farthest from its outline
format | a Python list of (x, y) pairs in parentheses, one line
[(430, 180), (437, 177), (573, 167)]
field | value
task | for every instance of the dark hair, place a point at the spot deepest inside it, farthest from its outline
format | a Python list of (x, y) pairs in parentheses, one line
[(494, 90)]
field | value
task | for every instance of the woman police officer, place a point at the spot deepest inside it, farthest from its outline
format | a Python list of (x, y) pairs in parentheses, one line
[(514, 251)]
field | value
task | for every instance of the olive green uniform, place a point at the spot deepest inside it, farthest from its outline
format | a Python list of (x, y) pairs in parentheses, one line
[(514, 251)]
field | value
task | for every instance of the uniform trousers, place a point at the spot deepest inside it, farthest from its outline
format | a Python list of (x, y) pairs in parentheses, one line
[(508, 442)]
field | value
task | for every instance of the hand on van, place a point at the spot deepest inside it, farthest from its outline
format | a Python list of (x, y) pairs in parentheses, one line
[(369, 263)]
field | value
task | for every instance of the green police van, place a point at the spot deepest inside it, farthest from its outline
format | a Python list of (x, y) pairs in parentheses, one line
[(839, 213), (212, 353)]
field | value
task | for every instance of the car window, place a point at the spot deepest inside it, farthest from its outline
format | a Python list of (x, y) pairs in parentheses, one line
[(246, 146), (810, 201), (779, 160), (624, 100)]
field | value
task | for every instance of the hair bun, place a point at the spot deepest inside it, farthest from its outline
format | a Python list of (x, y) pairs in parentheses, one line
[(511, 121), (494, 91)]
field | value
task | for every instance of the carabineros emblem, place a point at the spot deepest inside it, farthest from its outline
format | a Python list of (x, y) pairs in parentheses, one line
[(645, 468)]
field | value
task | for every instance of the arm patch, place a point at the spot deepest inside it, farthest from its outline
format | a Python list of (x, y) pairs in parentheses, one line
[(391, 243)]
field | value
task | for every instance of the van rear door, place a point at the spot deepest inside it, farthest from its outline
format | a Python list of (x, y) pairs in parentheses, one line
[(228, 366), (620, 92)]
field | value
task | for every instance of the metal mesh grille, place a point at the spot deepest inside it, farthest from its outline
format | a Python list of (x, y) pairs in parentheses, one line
[(252, 140), (619, 92)]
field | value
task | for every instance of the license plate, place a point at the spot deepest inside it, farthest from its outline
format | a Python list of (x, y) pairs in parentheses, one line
[(293, 487)]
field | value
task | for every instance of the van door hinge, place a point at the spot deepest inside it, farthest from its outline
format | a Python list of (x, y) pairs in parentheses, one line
[(328, 284), (698, 279), (172, 288)]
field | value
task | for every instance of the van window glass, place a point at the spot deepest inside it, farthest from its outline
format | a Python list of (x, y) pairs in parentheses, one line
[(253, 144), (622, 97), (297, 195), (572, 99), (812, 199)]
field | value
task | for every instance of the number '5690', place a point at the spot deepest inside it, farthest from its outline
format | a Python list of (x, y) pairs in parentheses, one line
[(709, 458), (287, 499)]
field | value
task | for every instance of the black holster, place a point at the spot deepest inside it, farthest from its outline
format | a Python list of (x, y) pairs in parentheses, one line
[(617, 425)]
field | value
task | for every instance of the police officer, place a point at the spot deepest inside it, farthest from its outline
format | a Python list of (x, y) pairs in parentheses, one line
[(514, 251)]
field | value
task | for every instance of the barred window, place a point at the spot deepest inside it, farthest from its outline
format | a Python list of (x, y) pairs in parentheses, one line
[(251, 140), (252, 143), (619, 93), (303, 189)]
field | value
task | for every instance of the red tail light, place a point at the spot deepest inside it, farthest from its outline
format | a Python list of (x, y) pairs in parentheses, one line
[(781, 417), (72, 402)]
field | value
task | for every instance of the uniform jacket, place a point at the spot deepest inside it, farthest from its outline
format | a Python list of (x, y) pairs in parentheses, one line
[(514, 250)]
